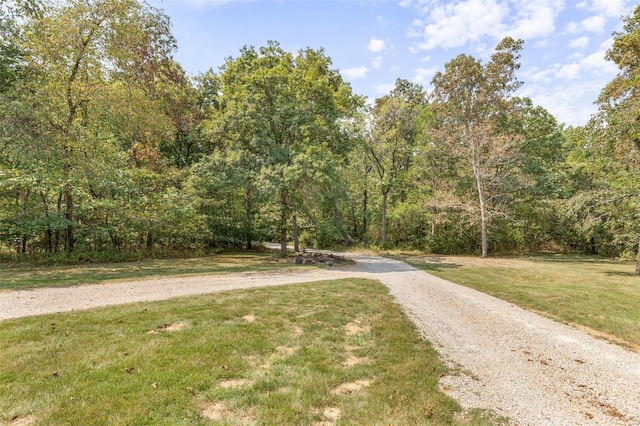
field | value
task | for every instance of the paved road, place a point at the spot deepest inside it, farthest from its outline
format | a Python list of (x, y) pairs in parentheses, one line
[(520, 365)]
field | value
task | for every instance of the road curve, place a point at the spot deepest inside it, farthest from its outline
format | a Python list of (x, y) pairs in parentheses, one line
[(516, 363)]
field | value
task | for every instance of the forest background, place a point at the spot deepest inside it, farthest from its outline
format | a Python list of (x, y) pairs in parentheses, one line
[(109, 151)]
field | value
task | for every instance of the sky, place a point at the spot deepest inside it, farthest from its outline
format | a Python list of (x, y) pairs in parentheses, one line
[(374, 42)]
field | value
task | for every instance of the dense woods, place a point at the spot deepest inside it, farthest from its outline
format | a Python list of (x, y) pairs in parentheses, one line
[(108, 149)]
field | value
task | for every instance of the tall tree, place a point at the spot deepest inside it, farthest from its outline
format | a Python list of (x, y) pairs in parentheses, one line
[(79, 55), (395, 127), (282, 108), (470, 107), (616, 138)]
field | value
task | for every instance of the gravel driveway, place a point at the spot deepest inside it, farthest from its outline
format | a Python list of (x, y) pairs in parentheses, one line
[(520, 365)]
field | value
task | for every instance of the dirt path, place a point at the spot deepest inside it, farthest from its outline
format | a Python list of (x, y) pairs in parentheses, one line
[(520, 365)]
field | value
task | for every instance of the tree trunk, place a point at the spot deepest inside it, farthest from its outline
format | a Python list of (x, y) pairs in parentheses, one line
[(638, 259), (434, 223), (483, 209), (283, 242), (68, 198), (296, 243), (383, 235), (283, 232), (338, 217), (248, 206), (364, 215), (150, 243)]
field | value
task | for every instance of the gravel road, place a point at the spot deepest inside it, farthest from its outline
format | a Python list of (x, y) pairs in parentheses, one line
[(518, 364)]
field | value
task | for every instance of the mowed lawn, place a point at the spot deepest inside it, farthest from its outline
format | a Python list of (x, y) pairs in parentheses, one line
[(14, 276), (602, 296), (332, 352)]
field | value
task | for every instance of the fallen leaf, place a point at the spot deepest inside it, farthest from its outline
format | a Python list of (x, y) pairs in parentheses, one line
[(154, 385)]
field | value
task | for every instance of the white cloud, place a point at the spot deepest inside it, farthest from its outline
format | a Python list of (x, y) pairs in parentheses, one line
[(579, 43), (606, 44), (384, 89), (423, 76), (594, 24), (609, 8), (572, 28), (570, 105), (355, 73), (376, 45), (534, 19), (376, 62), (448, 24), (454, 24)]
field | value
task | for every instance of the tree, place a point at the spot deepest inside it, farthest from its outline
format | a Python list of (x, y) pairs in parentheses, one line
[(281, 108), (470, 105), (395, 127), (87, 60), (617, 135)]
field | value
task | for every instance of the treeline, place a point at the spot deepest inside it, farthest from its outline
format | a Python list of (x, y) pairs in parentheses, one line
[(108, 148)]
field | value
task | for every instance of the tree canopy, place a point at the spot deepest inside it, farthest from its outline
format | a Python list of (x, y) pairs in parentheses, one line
[(109, 150)]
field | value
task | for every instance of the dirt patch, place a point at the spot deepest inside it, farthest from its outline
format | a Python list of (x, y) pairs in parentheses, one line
[(356, 327), (330, 417), (234, 383), (218, 411), (249, 318), (22, 421), (349, 388), (297, 331), (177, 326), (286, 350), (353, 360)]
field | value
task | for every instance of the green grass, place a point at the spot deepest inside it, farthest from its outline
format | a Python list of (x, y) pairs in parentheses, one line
[(271, 356), (24, 276), (601, 295)]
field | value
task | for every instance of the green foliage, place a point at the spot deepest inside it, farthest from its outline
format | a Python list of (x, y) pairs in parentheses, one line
[(283, 111), (106, 146)]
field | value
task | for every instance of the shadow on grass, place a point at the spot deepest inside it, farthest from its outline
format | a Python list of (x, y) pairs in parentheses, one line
[(619, 274), (571, 258), (428, 263)]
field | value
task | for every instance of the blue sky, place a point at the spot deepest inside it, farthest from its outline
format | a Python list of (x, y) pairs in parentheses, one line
[(374, 42)]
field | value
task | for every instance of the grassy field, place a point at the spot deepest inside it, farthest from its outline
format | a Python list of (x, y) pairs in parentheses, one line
[(339, 352), (599, 295), (27, 276)]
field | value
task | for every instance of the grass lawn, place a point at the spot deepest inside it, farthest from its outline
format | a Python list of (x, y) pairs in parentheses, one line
[(23, 276), (602, 296), (333, 352)]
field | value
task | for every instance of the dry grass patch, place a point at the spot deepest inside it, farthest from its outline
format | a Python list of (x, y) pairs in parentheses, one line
[(176, 326), (349, 388), (330, 416), (22, 421), (356, 327), (249, 318)]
